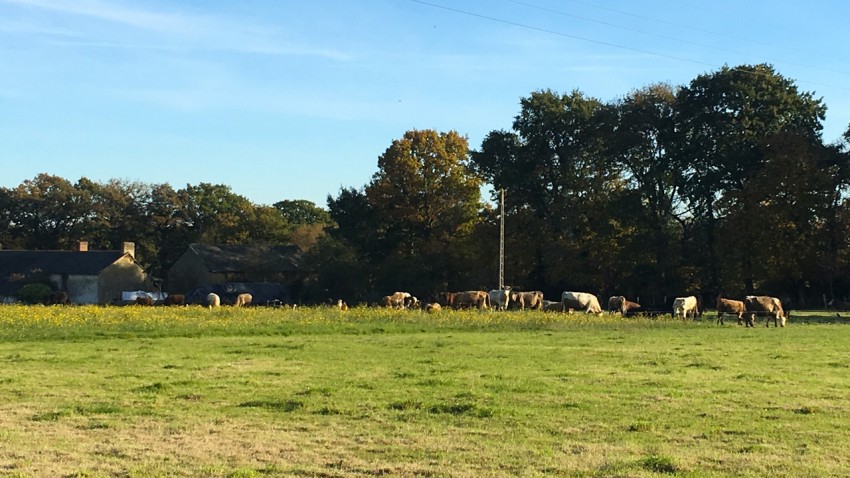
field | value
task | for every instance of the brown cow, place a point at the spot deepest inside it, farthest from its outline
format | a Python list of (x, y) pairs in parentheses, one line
[(447, 299), (57, 298), (175, 299), (729, 306), (763, 304), (468, 299), (615, 304), (144, 300), (629, 306)]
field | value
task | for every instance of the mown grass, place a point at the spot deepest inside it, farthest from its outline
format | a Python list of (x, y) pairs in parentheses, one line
[(87, 391)]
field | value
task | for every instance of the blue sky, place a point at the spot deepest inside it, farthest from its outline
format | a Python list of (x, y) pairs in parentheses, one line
[(293, 100)]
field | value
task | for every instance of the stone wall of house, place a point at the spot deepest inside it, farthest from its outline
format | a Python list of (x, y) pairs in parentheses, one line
[(124, 274), (187, 273)]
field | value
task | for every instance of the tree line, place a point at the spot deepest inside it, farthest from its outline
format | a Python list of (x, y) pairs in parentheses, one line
[(721, 185)]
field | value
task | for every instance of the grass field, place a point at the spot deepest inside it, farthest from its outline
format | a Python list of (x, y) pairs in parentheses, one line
[(140, 392)]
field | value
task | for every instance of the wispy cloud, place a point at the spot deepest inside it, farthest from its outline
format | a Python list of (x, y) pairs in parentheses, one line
[(173, 30)]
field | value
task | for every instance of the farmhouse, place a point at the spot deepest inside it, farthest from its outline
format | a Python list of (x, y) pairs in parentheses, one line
[(203, 265), (88, 277)]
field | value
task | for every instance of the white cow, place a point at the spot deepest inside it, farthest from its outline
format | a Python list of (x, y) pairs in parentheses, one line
[(213, 300), (581, 301), (683, 306), (499, 299)]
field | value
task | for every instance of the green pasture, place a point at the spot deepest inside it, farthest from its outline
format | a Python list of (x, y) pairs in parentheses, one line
[(142, 392)]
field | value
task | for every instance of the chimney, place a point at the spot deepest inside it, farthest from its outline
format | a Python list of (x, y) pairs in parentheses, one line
[(83, 246), (129, 248)]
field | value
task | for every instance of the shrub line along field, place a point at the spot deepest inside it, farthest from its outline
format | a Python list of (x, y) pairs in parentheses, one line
[(317, 392)]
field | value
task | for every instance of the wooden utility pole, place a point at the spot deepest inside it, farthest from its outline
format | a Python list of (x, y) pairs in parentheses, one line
[(502, 242)]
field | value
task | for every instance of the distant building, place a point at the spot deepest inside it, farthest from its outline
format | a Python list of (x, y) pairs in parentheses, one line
[(89, 277), (203, 265)]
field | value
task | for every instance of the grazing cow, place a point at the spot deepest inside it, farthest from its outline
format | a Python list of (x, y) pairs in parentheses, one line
[(581, 301), (470, 298), (618, 303), (447, 299), (213, 300), (729, 306), (531, 299), (57, 298), (500, 298), (144, 300), (615, 304), (432, 307), (521, 300), (684, 306), (553, 306), (396, 300), (763, 304), (243, 300), (175, 299), (412, 303), (629, 306)]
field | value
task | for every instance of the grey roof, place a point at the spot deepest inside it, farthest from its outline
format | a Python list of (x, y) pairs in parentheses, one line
[(18, 265), (240, 257)]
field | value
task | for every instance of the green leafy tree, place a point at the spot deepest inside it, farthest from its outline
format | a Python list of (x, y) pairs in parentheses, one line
[(723, 118), (426, 199), (553, 167), (302, 212), (216, 215), (642, 139), (47, 212)]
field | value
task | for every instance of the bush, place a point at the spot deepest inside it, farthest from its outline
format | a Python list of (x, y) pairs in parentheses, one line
[(34, 293)]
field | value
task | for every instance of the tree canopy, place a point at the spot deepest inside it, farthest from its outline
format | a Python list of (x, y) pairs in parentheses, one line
[(722, 184)]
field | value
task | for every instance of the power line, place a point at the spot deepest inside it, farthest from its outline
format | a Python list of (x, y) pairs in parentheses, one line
[(703, 30), (601, 42), (667, 37)]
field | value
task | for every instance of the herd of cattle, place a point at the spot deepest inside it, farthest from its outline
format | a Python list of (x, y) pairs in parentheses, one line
[(683, 307)]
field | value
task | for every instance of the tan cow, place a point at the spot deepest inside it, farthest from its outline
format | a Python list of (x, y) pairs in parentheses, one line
[(432, 307), (530, 299), (763, 304), (397, 300), (730, 306), (243, 300)]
